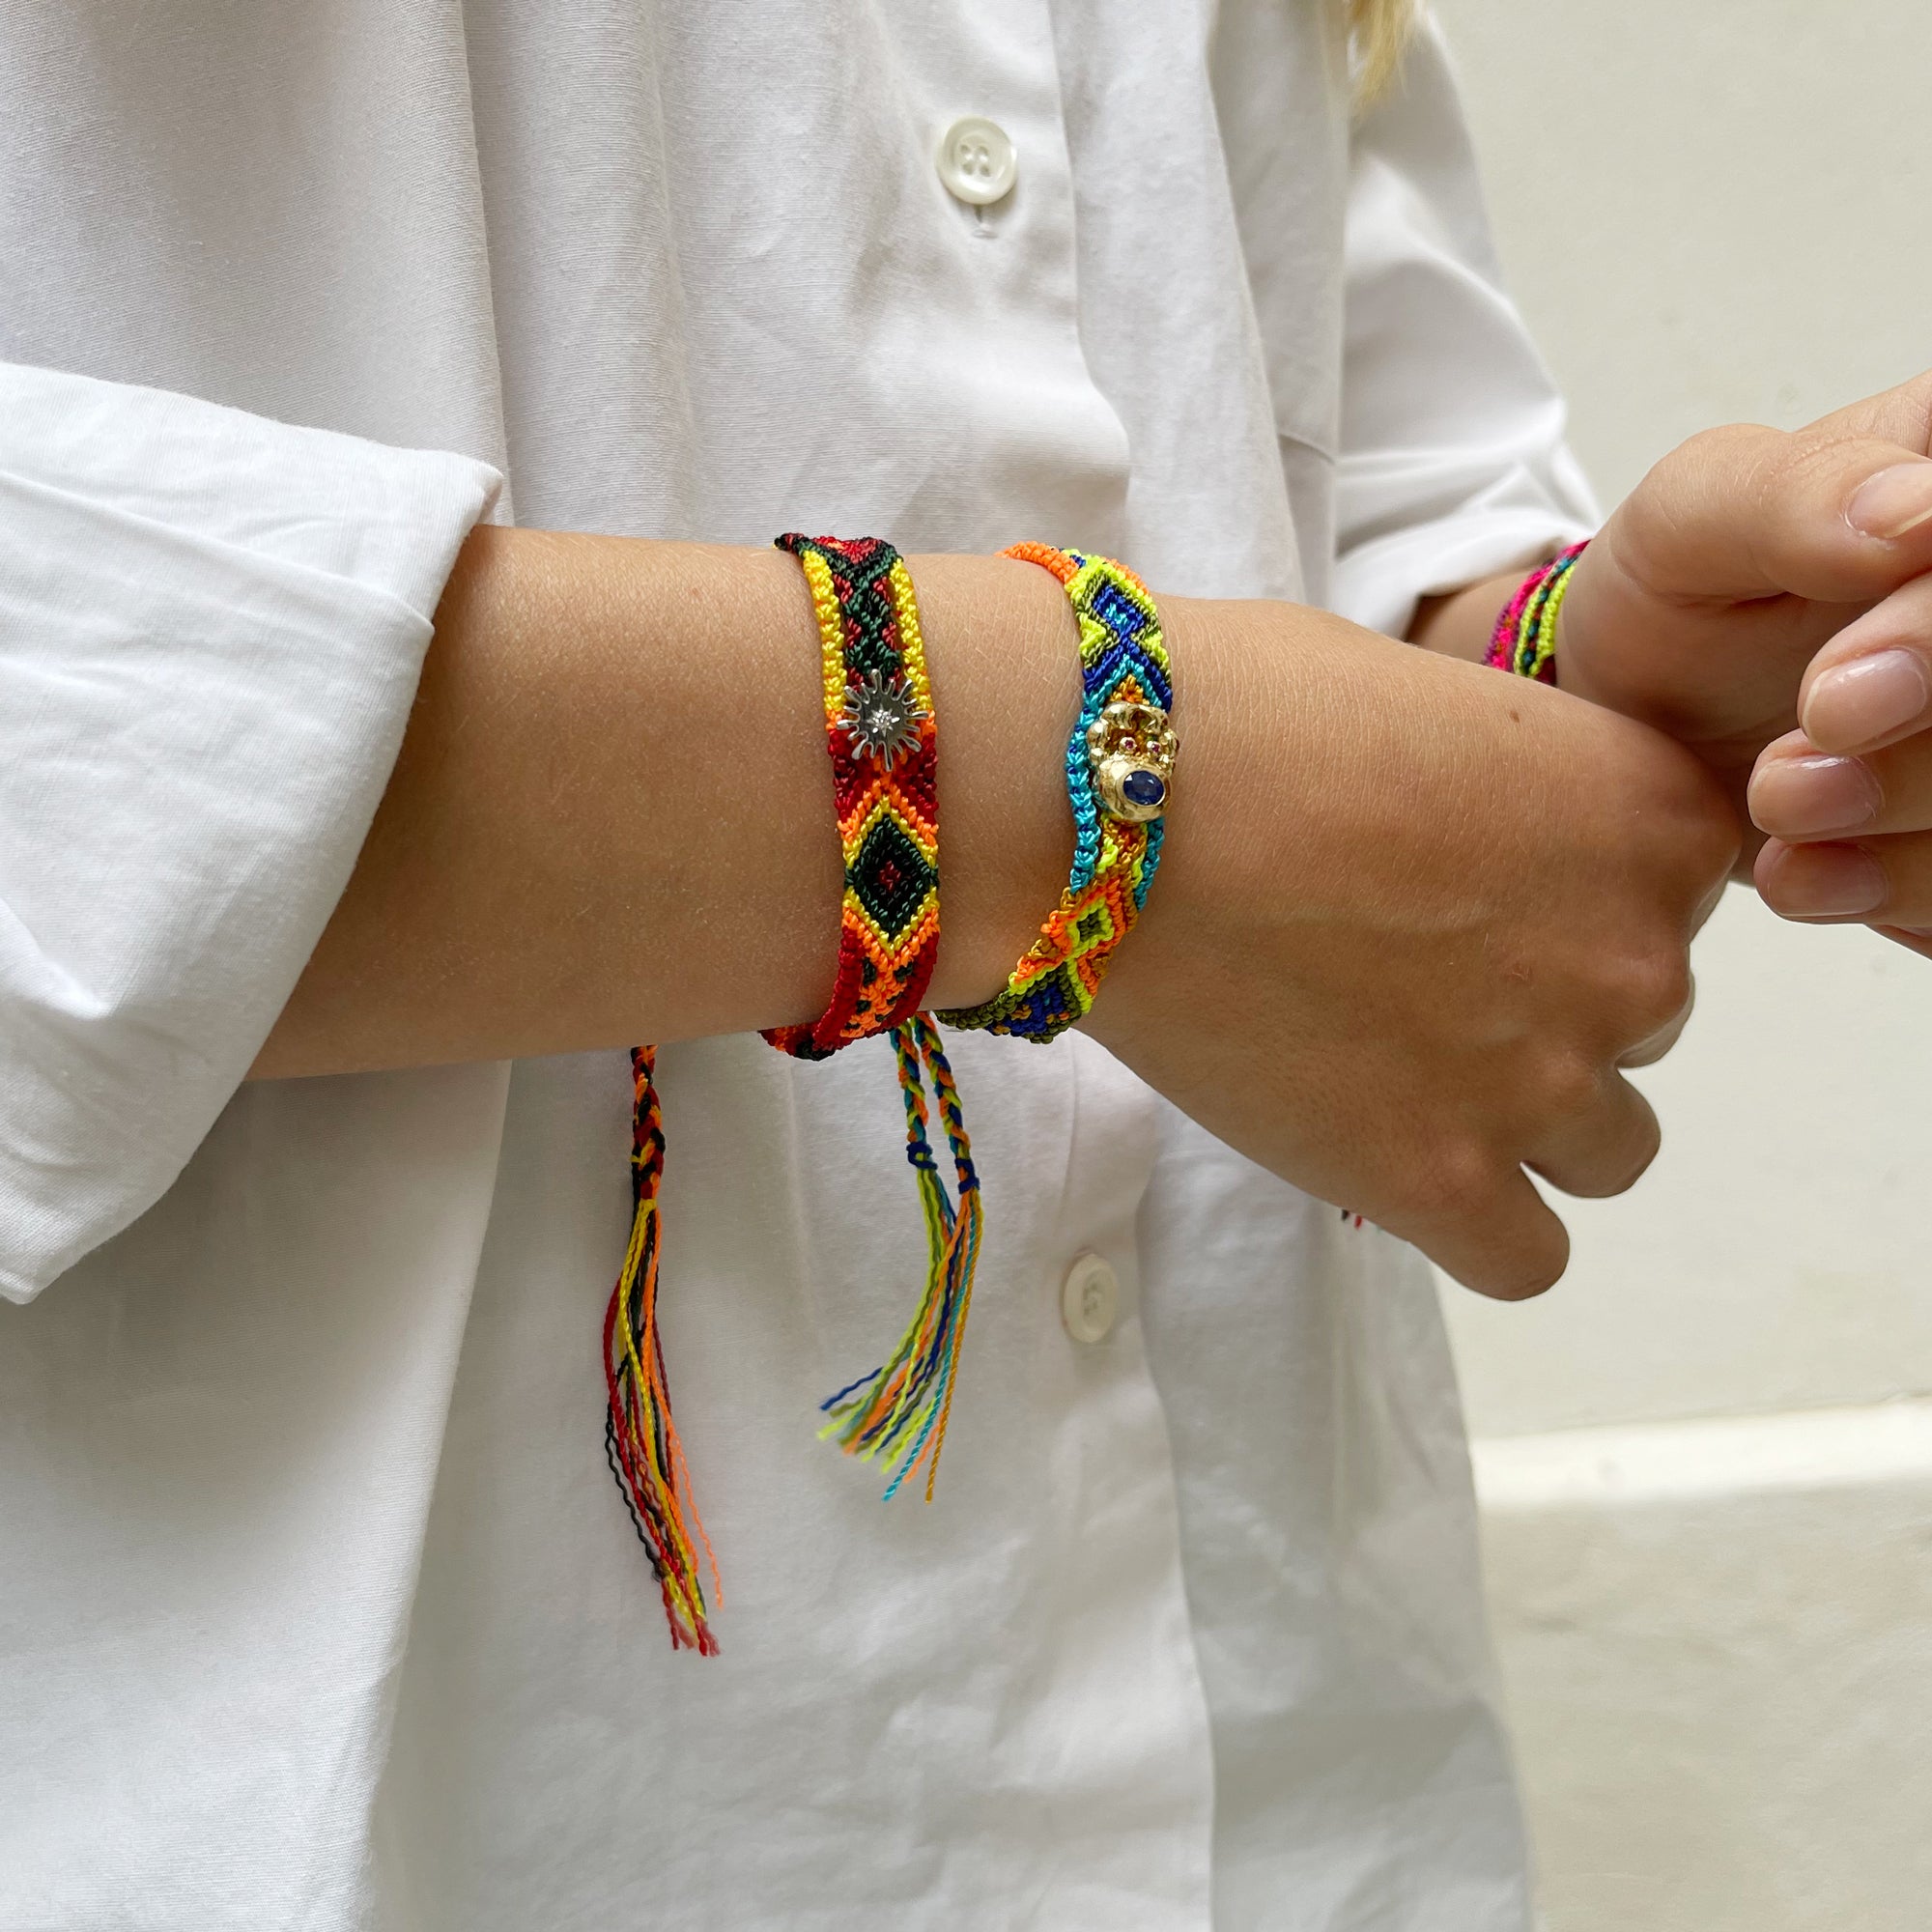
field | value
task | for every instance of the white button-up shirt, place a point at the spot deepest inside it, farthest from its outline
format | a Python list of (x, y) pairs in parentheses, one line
[(318, 1606)]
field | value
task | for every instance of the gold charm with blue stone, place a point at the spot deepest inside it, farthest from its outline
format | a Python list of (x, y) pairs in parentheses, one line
[(1132, 750)]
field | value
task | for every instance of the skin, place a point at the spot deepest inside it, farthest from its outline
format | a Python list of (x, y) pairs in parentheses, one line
[(1764, 598), (1739, 600), (1398, 954), (615, 767)]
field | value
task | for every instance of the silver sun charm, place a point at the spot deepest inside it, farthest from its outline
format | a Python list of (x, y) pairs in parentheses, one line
[(881, 718)]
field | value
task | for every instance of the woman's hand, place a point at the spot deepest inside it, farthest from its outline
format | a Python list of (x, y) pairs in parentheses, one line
[(1413, 918), (1848, 797), (1717, 599)]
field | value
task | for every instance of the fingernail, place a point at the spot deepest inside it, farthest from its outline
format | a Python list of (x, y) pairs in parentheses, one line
[(1867, 698), (1809, 798), (1825, 882), (1894, 502)]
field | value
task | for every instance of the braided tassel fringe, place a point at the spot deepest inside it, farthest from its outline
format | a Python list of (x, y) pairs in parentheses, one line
[(639, 1438), (899, 1412)]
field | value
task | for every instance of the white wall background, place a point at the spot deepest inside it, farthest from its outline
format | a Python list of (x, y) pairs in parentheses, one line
[(1707, 1456)]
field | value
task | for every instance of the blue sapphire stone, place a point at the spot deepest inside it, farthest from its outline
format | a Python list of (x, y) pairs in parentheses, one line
[(1143, 788)]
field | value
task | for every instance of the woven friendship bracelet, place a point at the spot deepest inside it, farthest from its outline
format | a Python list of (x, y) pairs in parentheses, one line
[(1119, 762), (885, 753), (883, 740), (1524, 640), (880, 730)]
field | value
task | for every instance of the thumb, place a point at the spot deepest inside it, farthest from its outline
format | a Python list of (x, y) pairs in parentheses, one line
[(1830, 514)]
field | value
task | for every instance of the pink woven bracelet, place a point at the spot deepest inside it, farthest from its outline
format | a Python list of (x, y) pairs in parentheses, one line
[(1524, 640)]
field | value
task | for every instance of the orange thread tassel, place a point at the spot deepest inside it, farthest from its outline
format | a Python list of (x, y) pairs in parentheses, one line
[(639, 1437)]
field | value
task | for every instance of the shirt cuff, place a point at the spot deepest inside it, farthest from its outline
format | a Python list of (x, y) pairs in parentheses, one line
[(210, 631), (1380, 584)]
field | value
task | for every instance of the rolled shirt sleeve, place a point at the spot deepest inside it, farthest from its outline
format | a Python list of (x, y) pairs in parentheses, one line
[(1453, 464), (210, 631)]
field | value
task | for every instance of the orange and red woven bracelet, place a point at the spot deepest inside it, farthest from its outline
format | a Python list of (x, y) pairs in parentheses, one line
[(883, 740)]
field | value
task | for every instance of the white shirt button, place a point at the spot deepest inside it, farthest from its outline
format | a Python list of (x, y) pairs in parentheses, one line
[(976, 161), (1089, 1300)]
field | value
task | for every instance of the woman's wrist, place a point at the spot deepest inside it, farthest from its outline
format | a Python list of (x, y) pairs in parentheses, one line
[(1277, 704), (1461, 623)]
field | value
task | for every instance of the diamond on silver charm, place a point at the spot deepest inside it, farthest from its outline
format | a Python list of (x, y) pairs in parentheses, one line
[(881, 718)]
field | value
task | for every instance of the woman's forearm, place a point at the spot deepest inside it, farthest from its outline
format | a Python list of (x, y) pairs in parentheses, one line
[(1410, 914), (612, 820), (611, 816)]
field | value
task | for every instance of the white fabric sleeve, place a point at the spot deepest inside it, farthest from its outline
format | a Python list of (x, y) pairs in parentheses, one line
[(211, 629), (1453, 464)]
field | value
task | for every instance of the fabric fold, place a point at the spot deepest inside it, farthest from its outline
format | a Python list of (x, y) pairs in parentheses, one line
[(212, 625), (1438, 484)]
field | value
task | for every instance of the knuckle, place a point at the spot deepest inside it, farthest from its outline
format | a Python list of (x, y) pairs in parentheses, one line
[(1649, 1143), (1722, 448), (1743, 462), (1454, 1181), (1715, 837), (1652, 987), (1675, 492), (1696, 818), (1790, 465), (1732, 445), (1628, 1161), (1800, 464), (1688, 836), (1570, 1087)]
